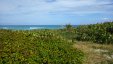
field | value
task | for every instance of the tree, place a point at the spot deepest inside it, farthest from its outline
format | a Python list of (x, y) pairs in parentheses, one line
[(69, 27)]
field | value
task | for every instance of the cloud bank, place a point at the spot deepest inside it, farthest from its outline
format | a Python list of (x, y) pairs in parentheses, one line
[(20, 8), (56, 6)]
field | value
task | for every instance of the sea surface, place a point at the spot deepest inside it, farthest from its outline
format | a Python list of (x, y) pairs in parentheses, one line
[(31, 27)]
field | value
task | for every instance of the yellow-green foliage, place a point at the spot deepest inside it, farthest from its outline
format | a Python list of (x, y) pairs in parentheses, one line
[(36, 47)]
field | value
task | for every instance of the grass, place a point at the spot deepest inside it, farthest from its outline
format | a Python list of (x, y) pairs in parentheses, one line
[(95, 53)]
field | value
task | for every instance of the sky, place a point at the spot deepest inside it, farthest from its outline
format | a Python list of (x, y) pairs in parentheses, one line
[(55, 12)]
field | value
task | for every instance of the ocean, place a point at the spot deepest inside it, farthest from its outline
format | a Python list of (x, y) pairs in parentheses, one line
[(31, 27)]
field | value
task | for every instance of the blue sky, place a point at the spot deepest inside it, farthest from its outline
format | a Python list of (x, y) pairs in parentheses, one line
[(55, 12)]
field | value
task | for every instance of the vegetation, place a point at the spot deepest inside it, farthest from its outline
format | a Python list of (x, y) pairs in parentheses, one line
[(37, 47), (95, 53), (95, 40), (62, 46), (69, 28), (99, 33)]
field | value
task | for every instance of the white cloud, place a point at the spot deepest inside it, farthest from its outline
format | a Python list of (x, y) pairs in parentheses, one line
[(105, 18), (57, 6), (6, 7)]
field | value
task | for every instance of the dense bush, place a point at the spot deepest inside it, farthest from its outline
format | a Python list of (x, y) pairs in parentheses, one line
[(36, 47), (99, 33)]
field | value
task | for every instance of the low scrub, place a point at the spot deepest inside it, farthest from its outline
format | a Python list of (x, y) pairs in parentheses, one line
[(37, 47), (99, 33)]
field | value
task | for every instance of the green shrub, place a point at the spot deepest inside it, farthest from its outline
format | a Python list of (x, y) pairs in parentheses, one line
[(37, 47), (96, 32)]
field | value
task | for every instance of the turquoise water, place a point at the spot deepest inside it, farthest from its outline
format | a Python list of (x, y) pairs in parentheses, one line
[(31, 27)]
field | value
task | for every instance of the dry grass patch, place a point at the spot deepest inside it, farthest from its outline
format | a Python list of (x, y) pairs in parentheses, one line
[(96, 53)]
